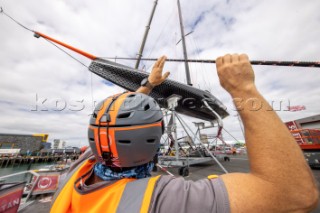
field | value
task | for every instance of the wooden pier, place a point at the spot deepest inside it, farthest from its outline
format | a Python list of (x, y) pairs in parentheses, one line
[(23, 160)]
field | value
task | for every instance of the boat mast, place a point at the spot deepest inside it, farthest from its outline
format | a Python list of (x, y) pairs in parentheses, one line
[(146, 34), (184, 46)]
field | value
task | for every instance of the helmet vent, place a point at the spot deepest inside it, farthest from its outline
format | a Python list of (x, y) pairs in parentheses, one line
[(131, 96), (151, 140), (207, 96), (146, 107), (124, 115), (124, 141)]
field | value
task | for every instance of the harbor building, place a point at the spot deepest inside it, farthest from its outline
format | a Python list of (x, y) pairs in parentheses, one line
[(26, 144)]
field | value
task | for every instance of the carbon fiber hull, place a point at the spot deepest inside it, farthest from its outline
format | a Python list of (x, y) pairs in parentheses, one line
[(191, 98)]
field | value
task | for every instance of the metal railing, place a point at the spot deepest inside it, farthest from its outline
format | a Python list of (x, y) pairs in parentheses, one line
[(32, 182)]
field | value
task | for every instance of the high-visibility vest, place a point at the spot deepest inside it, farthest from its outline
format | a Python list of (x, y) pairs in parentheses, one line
[(122, 196)]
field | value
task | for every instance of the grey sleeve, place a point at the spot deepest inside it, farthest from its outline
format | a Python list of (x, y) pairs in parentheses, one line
[(179, 196)]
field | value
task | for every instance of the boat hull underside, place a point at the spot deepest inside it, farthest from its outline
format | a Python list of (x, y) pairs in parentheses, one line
[(191, 98)]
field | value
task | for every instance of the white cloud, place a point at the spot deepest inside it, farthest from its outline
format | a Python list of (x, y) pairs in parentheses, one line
[(266, 30)]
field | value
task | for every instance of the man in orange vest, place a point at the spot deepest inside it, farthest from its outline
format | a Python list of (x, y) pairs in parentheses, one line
[(124, 135)]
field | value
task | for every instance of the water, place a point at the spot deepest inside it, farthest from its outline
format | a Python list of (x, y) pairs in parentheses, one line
[(24, 167)]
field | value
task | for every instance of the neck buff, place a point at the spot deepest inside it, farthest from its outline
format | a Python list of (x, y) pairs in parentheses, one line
[(105, 173)]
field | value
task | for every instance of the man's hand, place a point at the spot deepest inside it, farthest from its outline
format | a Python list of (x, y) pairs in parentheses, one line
[(235, 73), (156, 78)]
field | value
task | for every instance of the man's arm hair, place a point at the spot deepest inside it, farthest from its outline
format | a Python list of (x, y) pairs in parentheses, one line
[(280, 179)]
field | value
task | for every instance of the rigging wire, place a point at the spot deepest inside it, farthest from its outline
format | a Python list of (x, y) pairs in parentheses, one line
[(58, 47), (201, 66), (177, 51), (64, 51), (21, 25), (91, 90), (38, 36), (158, 38), (91, 81), (254, 62), (229, 134), (176, 55), (195, 77), (193, 67)]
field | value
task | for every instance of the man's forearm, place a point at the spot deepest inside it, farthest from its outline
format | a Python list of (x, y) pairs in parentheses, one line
[(279, 179), (269, 142)]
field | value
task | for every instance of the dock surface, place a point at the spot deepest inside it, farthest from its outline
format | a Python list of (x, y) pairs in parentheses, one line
[(236, 164)]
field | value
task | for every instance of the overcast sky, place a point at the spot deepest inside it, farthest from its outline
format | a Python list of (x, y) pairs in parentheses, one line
[(35, 74)]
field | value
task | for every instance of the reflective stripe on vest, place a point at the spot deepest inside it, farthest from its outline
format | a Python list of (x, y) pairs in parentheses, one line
[(136, 196)]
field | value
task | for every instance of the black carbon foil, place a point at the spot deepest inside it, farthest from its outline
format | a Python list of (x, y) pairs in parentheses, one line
[(191, 98)]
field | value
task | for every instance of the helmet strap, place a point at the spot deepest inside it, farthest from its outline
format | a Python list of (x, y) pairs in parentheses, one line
[(107, 156)]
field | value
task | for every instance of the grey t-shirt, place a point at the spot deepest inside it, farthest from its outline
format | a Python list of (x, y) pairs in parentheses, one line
[(178, 195)]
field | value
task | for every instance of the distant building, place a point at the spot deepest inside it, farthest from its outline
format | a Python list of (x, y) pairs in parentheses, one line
[(46, 145), (65, 151), (59, 144), (312, 122), (27, 144)]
